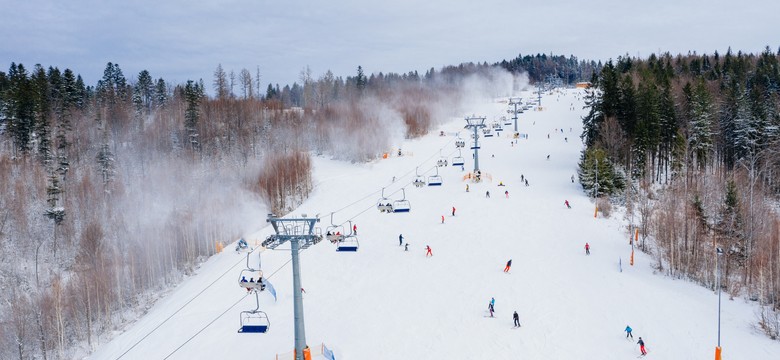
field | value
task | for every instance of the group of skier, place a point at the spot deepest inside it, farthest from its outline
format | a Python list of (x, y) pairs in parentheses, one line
[(641, 342)]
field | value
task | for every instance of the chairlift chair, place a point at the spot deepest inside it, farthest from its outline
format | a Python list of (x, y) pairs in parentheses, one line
[(349, 244), (487, 132), (384, 204), (460, 143), (402, 205), (474, 145), (458, 160), (434, 180), (419, 181), (251, 279), (334, 233), (254, 321)]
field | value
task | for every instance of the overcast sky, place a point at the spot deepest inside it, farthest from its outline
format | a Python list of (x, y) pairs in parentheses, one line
[(186, 39)]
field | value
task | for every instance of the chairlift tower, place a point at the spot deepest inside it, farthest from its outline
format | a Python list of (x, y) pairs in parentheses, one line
[(515, 102), (476, 123), (300, 233), (539, 90)]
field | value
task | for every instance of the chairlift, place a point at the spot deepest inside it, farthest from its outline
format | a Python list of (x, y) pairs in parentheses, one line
[(460, 143), (384, 204), (419, 181), (334, 233), (251, 278), (442, 160), (474, 145), (458, 160), (402, 205), (254, 321), (487, 132), (434, 180), (349, 242)]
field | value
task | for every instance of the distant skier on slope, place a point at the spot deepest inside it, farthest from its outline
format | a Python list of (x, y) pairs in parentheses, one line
[(428, 251), (642, 346), (587, 249), (442, 219), (400, 239), (490, 309), (567, 204), (508, 265), (506, 193), (516, 318), (628, 332), (487, 194), (354, 229), (453, 211)]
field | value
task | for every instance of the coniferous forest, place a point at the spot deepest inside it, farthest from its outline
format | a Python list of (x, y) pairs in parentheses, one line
[(691, 145)]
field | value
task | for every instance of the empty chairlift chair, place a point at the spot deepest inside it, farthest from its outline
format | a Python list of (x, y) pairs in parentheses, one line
[(434, 180), (458, 160), (254, 321), (402, 205)]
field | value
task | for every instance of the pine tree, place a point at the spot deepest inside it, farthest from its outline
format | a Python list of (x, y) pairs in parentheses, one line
[(40, 84), (700, 115), (20, 107), (192, 95), (360, 80), (598, 175), (160, 93)]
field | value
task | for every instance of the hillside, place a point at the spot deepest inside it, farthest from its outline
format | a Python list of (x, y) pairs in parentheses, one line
[(385, 303)]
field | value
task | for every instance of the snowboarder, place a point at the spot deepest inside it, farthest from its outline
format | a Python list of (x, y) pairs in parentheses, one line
[(442, 219), (567, 204), (487, 194), (642, 346), (516, 318), (453, 211), (587, 249), (428, 251), (354, 229), (400, 239), (628, 332), (508, 265), (506, 193)]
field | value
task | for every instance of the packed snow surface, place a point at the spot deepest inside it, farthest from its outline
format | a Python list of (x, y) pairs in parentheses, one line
[(382, 302)]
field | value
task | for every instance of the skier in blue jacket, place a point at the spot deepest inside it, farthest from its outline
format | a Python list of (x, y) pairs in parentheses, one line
[(628, 332)]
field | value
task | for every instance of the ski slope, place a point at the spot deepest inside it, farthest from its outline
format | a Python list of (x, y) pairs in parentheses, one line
[(384, 303)]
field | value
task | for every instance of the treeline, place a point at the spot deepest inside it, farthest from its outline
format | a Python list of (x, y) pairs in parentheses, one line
[(707, 127), (111, 193), (540, 67)]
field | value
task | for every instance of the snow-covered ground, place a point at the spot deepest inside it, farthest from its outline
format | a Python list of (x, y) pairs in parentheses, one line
[(384, 303)]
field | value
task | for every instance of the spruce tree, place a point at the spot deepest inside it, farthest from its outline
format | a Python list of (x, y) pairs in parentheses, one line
[(192, 96)]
